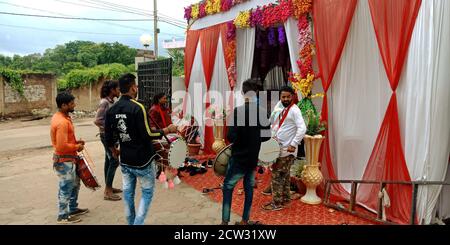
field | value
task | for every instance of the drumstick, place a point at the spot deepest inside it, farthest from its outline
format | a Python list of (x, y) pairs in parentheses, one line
[(270, 152)]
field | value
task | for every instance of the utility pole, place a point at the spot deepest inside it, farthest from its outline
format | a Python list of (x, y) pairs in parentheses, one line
[(155, 27)]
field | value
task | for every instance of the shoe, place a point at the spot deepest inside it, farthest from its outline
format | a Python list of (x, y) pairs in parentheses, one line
[(79, 211), (267, 191), (68, 220), (272, 207)]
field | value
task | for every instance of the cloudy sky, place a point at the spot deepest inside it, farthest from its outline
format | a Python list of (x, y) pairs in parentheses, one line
[(25, 35)]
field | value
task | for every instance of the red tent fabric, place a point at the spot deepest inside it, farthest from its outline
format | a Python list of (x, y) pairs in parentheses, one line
[(394, 22), (332, 19)]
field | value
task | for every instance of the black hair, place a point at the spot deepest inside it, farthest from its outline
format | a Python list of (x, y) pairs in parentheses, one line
[(126, 81), (64, 98), (107, 86), (251, 84), (157, 97), (287, 89)]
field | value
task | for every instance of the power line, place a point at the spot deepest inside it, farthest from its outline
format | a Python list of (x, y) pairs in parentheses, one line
[(70, 18), (59, 30), (78, 32), (103, 22), (133, 10)]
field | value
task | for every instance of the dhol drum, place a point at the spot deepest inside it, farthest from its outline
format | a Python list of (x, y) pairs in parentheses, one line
[(171, 154), (86, 173), (177, 153), (221, 162), (269, 152)]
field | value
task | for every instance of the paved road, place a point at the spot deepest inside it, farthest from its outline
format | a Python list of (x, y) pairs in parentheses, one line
[(28, 193)]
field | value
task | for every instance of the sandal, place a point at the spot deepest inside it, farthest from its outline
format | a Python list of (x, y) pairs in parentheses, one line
[(271, 207), (112, 197), (115, 190), (250, 222)]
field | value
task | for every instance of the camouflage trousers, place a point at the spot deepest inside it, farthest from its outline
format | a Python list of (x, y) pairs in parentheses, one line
[(281, 179)]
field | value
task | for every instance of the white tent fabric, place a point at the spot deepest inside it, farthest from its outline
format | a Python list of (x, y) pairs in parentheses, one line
[(229, 15), (292, 37), (444, 199), (358, 98), (423, 100), (245, 49), (197, 92), (220, 86)]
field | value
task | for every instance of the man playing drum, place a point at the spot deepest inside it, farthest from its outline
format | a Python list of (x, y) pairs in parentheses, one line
[(127, 122), (289, 129), (247, 130), (64, 159)]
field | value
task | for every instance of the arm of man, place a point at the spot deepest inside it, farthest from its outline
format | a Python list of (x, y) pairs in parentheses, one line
[(100, 116), (264, 122), (301, 127)]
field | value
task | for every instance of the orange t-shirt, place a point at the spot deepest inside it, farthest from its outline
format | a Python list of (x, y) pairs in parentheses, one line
[(63, 135)]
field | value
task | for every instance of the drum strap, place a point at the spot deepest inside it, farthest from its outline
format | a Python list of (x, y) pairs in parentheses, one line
[(285, 113), (58, 158)]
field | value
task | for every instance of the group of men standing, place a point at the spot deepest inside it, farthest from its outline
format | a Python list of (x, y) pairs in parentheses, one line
[(127, 136)]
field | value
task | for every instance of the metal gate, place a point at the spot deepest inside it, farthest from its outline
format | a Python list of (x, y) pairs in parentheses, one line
[(154, 77)]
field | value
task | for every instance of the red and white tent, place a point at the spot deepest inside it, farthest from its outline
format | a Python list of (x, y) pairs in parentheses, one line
[(384, 65)]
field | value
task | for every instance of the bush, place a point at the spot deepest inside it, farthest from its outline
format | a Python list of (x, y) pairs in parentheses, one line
[(79, 78)]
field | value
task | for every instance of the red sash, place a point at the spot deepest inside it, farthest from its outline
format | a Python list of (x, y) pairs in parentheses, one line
[(286, 111)]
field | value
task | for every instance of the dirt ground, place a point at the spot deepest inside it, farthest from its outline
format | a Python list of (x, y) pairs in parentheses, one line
[(28, 192)]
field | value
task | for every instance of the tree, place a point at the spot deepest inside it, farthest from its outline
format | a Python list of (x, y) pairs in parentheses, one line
[(5, 61), (178, 61)]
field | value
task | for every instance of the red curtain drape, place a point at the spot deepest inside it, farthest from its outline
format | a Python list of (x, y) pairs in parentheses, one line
[(394, 22), (332, 19), (209, 39), (189, 54)]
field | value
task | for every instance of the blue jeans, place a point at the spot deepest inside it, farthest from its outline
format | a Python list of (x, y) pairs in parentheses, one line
[(111, 163), (146, 178), (234, 173), (69, 186)]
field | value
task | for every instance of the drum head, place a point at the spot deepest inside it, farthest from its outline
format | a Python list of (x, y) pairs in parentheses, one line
[(177, 153), (221, 161), (270, 151)]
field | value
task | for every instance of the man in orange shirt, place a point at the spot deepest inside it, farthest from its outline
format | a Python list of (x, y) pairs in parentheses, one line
[(64, 160)]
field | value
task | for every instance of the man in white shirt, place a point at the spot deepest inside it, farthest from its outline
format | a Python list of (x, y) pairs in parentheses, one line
[(289, 129)]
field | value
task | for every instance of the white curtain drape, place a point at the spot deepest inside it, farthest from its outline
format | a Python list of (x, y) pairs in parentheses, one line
[(444, 199), (424, 101), (245, 49), (358, 98), (220, 87), (292, 38), (197, 92), (229, 15), (360, 93)]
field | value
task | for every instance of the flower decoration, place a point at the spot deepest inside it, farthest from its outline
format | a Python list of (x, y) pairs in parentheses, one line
[(242, 20), (202, 10), (301, 7), (226, 5), (217, 112), (188, 12), (195, 11), (231, 31), (256, 17), (281, 35)]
